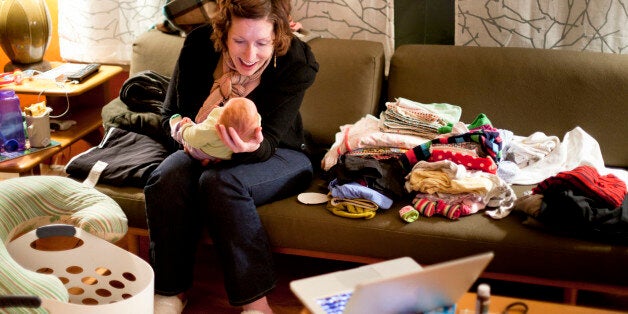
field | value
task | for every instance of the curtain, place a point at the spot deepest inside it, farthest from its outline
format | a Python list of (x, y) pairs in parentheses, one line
[(592, 25), (349, 19), (103, 31)]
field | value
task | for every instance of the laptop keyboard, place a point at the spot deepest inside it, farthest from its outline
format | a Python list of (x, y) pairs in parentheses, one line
[(335, 304)]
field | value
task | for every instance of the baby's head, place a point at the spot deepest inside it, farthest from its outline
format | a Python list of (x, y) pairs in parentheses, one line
[(241, 114)]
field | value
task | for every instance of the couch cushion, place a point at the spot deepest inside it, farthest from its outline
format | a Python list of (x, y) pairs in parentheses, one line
[(519, 250)]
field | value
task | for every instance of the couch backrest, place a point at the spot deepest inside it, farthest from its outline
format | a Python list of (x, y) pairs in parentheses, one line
[(522, 89), (347, 87), (157, 51)]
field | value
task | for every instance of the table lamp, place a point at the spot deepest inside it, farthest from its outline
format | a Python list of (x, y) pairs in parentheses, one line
[(25, 32)]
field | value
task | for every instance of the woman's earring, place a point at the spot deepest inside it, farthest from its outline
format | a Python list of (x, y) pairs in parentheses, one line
[(275, 60)]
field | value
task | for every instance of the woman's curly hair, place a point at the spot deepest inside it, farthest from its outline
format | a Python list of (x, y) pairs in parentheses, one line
[(275, 11)]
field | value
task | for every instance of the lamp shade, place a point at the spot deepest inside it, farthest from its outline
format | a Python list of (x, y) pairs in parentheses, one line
[(25, 30)]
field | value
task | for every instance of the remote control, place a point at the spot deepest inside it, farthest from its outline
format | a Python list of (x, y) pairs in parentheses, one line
[(84, 72)]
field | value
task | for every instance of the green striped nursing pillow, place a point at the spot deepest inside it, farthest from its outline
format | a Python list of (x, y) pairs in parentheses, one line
[(27, 203)]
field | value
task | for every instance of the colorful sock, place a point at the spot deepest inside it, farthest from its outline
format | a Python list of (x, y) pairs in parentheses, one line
[(446, 129), (408, 213), (429, 208), (479, 121), (425, 207), (448, 210)]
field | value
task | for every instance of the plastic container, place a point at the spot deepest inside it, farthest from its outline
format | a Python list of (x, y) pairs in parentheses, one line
[(12, 135), (483, 299), (101, 277)]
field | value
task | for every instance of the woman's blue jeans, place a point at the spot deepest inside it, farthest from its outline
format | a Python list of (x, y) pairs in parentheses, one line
[(183, 197)]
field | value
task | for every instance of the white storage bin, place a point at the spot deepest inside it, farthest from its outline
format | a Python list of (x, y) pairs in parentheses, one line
[(100, 276)]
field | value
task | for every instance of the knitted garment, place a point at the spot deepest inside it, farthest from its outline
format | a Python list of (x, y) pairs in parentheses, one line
[(585, 180), (230, 84), (429, 208), (490, 143), (352, 208), (145, 91)]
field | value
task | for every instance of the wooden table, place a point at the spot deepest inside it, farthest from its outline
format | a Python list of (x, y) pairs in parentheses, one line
[(84, 103), (499, 304), (466, 305)]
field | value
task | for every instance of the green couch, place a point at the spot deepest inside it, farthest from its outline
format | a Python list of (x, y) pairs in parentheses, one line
[(523, 90)]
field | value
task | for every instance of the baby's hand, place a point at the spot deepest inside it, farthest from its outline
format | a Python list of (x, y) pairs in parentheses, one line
[(185, 121), (176, 127)]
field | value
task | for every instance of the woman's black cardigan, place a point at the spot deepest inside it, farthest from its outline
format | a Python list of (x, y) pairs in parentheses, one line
[(278, 97)]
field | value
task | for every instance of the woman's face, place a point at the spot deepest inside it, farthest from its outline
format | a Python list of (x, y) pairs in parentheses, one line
[(250, 44)]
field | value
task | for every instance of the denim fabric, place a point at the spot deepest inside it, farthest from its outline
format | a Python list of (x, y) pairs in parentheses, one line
[(182, 198)]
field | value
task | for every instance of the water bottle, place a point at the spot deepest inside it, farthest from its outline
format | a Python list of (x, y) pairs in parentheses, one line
[(12, 135)]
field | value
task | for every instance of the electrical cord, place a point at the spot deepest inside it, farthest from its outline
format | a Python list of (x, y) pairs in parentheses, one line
[(516, 307), (60, 84)]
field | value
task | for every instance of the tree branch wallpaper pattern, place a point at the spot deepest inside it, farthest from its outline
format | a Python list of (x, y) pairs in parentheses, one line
[(104, 30), (349, 19), (592, 25)]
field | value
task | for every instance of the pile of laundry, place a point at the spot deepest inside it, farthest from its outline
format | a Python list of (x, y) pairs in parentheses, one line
[(424, 155)]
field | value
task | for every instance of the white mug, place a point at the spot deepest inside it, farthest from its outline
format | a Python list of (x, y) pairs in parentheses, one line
[(38, 129)]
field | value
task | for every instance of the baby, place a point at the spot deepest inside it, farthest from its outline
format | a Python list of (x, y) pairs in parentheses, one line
[(239, 113)]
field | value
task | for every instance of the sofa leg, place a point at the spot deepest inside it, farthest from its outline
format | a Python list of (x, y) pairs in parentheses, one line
[(570, 296), (133, 239)]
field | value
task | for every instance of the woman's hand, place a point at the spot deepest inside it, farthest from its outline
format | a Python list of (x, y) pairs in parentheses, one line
[(231, 138)]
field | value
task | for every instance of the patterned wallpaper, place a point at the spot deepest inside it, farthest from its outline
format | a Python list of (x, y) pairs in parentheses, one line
[(349, 19), (103, 30), (594, 25)]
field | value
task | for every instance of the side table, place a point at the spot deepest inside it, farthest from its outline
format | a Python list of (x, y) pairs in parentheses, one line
[(83, 103), (466, 305)]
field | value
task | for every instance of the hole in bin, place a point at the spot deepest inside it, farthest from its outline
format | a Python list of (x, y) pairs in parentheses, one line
[(129, 276), (74, 269), (89, 301), (116, 284), (103, 271), (76, 290), (103, 293), (89, 281), (45, 270), (126, 295), (56, 243), (64, 280)]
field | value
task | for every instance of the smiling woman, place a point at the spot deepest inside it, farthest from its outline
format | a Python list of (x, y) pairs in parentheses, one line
[(252, 53)]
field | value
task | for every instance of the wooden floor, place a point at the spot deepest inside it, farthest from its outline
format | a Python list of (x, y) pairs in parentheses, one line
[(208, 296)]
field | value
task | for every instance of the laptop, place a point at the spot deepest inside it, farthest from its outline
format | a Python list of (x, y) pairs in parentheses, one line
[(395, 286)]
